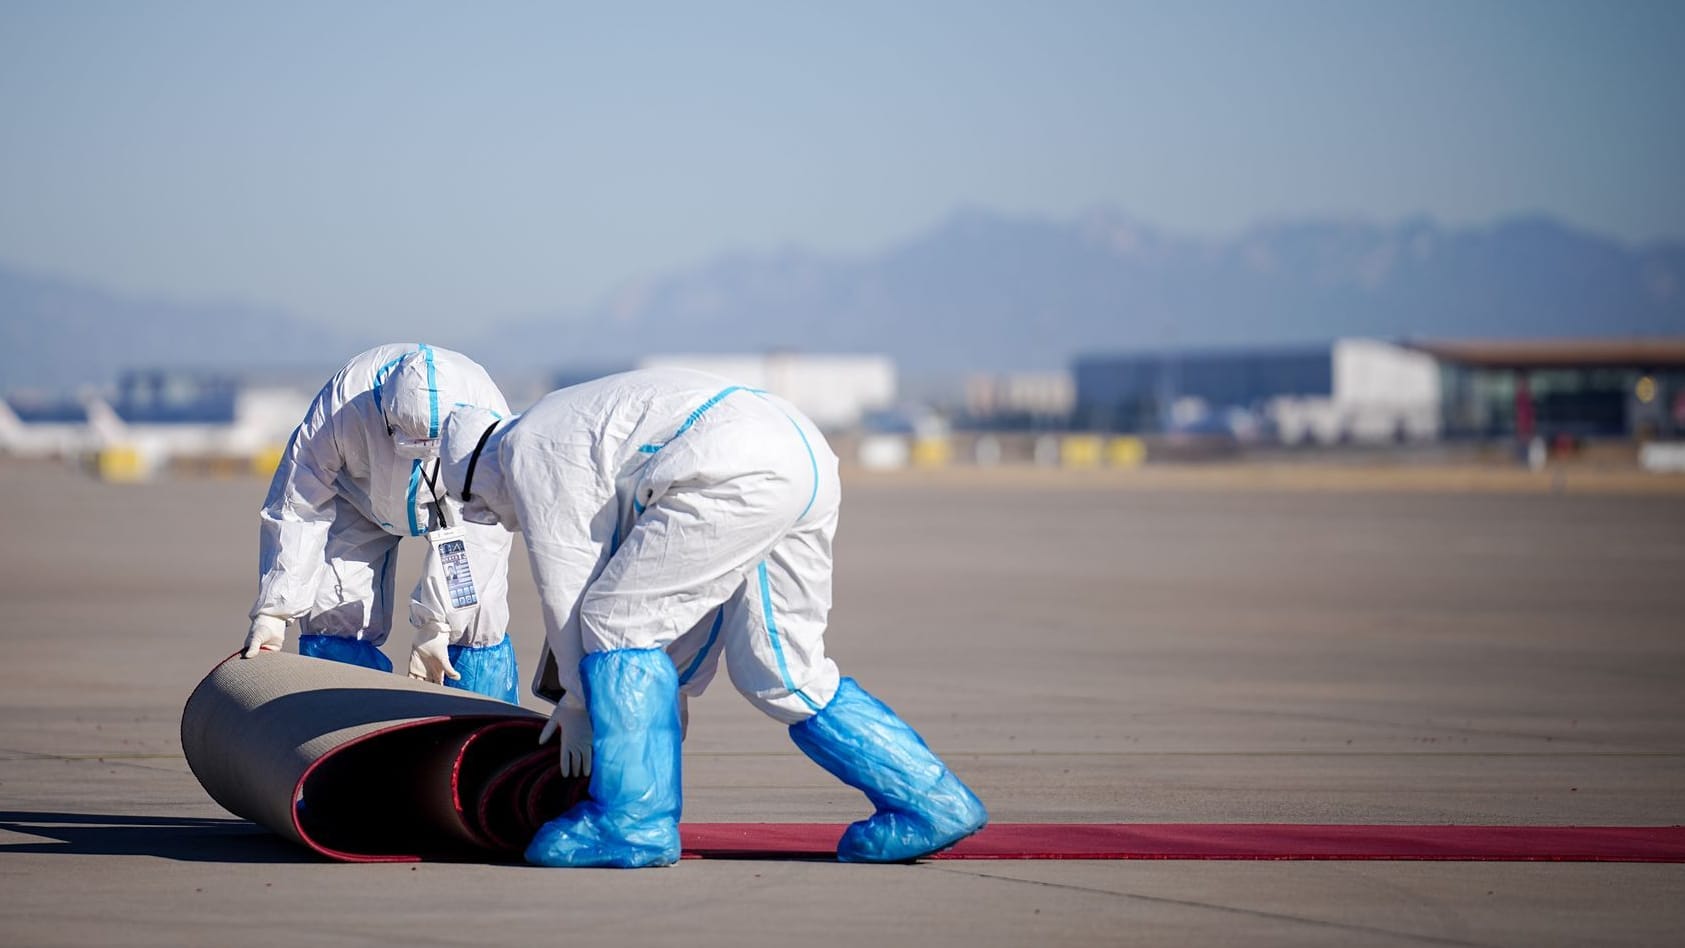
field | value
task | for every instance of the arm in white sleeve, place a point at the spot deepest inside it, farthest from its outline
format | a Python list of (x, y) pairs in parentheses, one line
[(567, 513), (296, 516)]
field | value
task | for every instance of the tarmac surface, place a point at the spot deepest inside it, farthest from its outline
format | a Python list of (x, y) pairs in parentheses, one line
[(1093, 653)]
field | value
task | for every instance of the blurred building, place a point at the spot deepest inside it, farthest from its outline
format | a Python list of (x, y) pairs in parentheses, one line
[(1380, 393), (1165, 391), (1373, 391), (836, 391), (1025, 400), (1570, 388)]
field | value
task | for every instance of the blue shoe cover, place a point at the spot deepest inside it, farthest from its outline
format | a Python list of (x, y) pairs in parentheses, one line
[(489, 670), (632, 817), (346, 651), (922, 807)]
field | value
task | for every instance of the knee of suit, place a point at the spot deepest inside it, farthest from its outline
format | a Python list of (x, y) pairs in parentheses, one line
[(597, 635)]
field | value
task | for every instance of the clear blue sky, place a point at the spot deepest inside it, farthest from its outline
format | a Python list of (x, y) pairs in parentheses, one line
[(360, 162)]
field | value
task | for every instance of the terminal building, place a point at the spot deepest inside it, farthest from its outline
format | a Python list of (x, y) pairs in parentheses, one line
[(1585, 389), (1374, 391)]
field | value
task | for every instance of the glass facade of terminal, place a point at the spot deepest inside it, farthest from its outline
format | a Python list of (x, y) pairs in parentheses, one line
[(1134, 393), (1591, 403)]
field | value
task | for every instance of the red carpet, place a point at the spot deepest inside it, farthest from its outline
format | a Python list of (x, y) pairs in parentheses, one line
[(1221, 841)]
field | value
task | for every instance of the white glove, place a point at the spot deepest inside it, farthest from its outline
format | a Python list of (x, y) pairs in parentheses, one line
[(430, 658), (268, 634), (575, 724)]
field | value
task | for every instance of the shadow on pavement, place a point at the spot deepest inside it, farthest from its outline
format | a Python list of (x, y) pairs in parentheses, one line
[(185, 839)]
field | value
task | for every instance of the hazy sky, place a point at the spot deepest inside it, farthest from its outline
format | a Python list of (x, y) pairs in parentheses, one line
[(381, 162)]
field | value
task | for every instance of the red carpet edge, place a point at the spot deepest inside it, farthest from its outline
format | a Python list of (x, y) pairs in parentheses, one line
[(1286, 841)]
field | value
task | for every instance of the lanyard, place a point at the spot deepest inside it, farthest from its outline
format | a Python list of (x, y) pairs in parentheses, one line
[(437, 503)]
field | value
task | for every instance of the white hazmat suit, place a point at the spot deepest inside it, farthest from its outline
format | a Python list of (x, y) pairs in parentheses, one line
[(672, 518), (671, 509), (358, 475)]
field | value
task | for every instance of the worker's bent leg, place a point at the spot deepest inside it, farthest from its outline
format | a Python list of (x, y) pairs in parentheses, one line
[(352, 615), (775, 628), (921, 806), (490, 670), (488, 562), (632, 817), (480, 649), (482, 653)]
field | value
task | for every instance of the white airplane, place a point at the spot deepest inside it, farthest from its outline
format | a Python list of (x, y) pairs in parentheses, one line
[(60, 434), (157, 418)]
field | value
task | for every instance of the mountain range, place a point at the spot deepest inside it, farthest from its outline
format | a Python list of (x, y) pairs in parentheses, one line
[(58, 334), (980, 291)]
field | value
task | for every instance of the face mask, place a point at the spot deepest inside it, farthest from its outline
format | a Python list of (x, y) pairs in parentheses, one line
[(415, 449), (478, 511)]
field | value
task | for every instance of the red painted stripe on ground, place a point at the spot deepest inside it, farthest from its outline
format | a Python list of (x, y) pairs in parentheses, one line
[(1222, 841)]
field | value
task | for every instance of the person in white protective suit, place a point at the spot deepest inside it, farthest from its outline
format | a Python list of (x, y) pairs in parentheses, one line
[(674, 518), (359, 474)]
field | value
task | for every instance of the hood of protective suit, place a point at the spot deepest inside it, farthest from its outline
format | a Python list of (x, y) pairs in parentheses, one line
[(487, 499), (415, 402)]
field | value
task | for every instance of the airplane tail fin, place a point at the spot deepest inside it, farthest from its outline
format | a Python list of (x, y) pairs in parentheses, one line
[(107, 427)]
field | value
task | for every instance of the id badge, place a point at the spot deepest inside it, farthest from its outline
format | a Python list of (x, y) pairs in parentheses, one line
[(452, 550)]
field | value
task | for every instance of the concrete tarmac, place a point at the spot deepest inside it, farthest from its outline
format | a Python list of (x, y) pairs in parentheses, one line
[(1088, 653)]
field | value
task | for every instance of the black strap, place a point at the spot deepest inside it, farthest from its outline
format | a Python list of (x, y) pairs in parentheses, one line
[(473, 459), (438, 503)]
